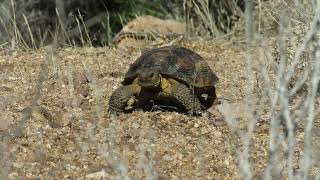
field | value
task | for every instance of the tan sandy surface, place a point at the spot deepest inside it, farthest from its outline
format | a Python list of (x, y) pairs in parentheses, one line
[(79, 138)]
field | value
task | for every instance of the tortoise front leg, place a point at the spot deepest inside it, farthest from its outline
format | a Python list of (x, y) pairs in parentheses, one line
[(183, 94), (120, 97)]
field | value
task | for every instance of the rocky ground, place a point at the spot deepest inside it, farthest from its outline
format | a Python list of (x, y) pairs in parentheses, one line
[(54, 123)]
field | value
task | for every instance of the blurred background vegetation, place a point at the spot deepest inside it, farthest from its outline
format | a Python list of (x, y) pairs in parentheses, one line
[(34, 23)]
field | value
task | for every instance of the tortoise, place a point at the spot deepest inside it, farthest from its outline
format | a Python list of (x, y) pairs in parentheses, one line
[(172, 73)]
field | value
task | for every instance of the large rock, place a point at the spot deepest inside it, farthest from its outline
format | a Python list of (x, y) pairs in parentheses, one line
[(145, 28)]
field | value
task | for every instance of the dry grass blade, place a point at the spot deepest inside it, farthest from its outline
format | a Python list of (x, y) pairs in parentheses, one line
[(30, 32)]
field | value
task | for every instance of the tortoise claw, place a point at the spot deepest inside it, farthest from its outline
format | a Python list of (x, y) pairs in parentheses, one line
[(195, 113), (113, 112)]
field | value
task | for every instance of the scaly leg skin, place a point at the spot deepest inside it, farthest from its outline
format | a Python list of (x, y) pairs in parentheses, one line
[(121, 96), (183, 94)]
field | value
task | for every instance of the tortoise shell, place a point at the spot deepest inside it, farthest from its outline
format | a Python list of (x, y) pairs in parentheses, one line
[(179, 63)]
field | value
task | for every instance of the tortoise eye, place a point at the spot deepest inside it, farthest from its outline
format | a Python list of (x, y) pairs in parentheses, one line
[(152, 74)]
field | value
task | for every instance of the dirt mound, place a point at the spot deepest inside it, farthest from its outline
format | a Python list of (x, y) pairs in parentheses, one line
[(82, 139), (69, 133)]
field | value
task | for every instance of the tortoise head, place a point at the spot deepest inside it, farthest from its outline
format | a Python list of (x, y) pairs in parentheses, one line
[(149, 78)]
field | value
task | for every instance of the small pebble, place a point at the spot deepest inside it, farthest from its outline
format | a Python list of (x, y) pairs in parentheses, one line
[(135, 125)]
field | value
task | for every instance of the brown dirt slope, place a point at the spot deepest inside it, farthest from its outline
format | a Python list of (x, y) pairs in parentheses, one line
[(69, 134)]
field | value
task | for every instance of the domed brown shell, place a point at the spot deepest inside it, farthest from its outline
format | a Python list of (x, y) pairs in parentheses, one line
[(179, 63)]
